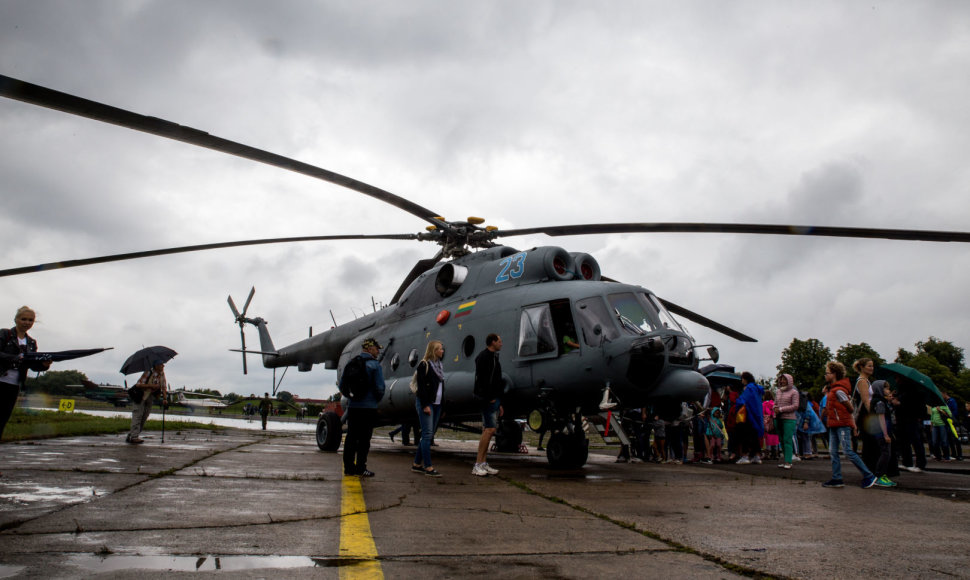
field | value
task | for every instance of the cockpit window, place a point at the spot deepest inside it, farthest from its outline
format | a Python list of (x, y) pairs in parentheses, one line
[(636, 317), (666, 318), (536, 332), (595, 323)]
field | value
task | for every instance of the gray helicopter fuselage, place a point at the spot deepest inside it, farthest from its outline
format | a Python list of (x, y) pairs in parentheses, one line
[(540, 302)]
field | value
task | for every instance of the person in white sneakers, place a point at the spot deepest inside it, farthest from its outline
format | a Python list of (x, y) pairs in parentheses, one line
[(489, 385)]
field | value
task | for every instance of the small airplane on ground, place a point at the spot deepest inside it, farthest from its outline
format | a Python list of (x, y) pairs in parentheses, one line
[(114, 394), (197, 400)]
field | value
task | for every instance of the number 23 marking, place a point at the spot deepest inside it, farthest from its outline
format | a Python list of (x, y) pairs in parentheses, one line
[(512, 267)]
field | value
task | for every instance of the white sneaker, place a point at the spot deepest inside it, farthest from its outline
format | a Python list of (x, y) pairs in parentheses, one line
[(479, 470), (914, 470), (743, 461), (489, 469), (756, 460)]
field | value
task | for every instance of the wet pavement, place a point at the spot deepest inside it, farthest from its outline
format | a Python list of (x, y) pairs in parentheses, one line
[(253, 504)]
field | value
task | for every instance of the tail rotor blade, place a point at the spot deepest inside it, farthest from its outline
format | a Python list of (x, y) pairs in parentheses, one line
[(248, 300), (232, 306)]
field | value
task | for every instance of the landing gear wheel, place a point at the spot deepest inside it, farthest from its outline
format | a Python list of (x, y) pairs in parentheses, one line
[(567, 451), (508, 437), (328, 431)]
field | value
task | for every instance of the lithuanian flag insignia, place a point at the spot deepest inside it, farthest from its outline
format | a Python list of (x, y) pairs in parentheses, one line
[(465, 308)]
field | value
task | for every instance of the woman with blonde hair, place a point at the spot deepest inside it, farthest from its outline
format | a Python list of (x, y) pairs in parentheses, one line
[(431, 391), (14, 343)]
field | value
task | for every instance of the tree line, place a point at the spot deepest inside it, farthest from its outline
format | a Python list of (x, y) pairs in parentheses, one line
[(940, 360)]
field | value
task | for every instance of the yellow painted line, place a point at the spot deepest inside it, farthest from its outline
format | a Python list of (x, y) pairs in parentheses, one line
[(356, 541)]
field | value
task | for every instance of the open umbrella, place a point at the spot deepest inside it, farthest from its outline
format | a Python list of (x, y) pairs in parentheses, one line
[(903, 377), (142, 360), (720, 375), (62, 354)]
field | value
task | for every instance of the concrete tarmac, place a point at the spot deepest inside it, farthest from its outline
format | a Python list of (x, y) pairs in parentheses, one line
[(255, 505)]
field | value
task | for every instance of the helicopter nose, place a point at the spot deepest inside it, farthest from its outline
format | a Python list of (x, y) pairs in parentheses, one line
[(682, 385)]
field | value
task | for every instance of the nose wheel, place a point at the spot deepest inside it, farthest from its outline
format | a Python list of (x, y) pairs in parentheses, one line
[(567, 450), (508, 436)]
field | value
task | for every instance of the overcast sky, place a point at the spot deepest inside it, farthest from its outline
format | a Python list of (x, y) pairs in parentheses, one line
[(524, 113)]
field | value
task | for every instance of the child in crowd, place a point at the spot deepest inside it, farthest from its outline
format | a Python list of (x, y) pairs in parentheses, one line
[(659, 440), (716, 434), (880, 408)]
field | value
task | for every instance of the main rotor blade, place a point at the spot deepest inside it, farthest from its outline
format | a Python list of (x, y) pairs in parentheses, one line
[(722, 228), (420, 268), (704, 321), (51, 99), (184, 249)]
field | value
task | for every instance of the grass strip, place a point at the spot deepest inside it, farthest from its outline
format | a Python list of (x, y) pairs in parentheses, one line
[(27, 424)]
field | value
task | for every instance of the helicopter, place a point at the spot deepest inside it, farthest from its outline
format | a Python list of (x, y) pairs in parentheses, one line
[(626, 347)]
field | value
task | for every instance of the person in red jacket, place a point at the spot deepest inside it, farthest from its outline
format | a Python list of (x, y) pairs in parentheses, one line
[(838, 410)]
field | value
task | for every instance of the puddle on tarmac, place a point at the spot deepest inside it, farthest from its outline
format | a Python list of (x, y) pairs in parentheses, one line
[(27, 492), (11, 571), (98, 563)]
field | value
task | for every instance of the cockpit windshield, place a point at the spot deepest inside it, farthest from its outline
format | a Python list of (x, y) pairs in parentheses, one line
[(666, 318), (635, 316)]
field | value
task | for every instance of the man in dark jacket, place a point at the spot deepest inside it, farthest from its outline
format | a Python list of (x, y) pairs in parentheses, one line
[(488, 388), (264, 408), (362, 413)]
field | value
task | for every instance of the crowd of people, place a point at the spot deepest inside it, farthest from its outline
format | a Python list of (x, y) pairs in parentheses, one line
[(745, 423), (878, 428)]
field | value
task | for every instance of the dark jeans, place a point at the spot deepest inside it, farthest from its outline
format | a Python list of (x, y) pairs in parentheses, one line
[(882, 463), (748, 441), (405, 430), (360, 428), (675, 441), (910, 439), (8, 400), (956, 449)]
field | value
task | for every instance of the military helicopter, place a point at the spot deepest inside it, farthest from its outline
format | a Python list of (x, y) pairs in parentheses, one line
[(577, 342)]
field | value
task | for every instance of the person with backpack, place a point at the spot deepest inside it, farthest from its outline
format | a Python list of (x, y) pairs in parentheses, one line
[(841, 424), (362, 381), (427, 402)]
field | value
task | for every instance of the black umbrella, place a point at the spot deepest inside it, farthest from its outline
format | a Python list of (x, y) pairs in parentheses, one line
[(62, 354), (142, 360)]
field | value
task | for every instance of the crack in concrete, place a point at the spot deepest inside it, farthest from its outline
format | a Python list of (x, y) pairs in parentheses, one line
[(10, 526), (270, 522), (675, 546)]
